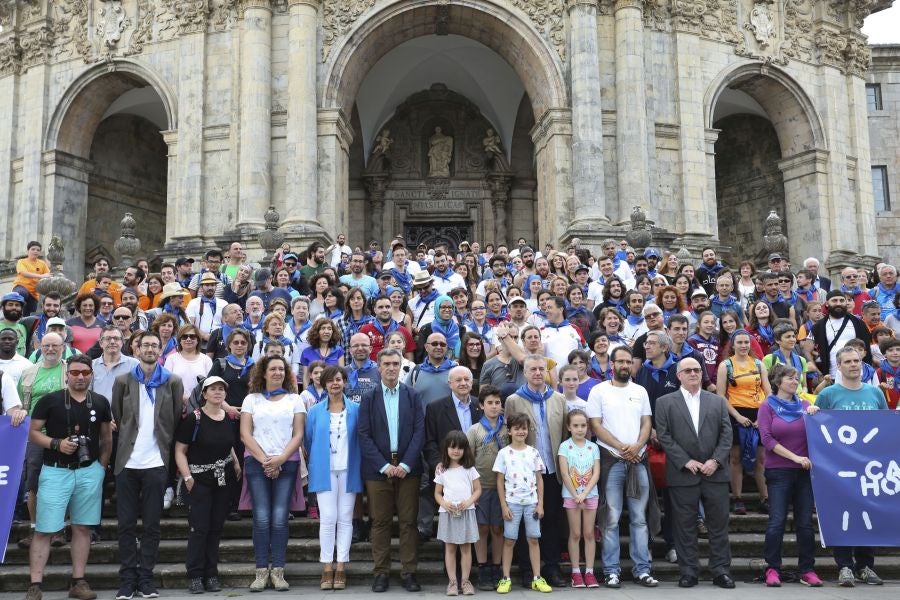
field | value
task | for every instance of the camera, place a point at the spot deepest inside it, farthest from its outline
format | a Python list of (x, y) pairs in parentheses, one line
[(83, 454)]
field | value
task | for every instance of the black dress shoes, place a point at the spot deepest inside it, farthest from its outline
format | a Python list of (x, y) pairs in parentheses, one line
[(410, 584), (381, 584), (723, 581), (687, 581), (555, 578)]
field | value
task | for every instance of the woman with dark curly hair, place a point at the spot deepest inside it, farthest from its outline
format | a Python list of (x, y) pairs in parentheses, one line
[(273, 418), (334, 304), (86, 327), (671, 302), (324, 344)]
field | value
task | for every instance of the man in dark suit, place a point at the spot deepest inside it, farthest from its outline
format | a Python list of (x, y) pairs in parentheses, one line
[(456, 412), (693, 428), (391, 439), (820, 281)]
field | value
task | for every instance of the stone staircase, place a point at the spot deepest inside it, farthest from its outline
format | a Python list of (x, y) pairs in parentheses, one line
[(303, 570)]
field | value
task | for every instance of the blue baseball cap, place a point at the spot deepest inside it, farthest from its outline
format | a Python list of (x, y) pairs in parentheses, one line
[(652, 252), (13, 297)]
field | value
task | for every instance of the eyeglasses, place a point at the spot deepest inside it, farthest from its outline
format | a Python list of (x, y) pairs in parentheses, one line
[(479, 308), (691, 370), (49, 346), (437, 344), (80, 372), (106, 304), (121, 317), (473, 345), (290, 264), (784, 281), (189, 336), (112, 338)]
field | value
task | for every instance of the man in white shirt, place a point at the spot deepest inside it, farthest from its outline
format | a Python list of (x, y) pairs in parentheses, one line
[(205, 311), (619, 410), (635, 324), (445, 279), (558, 335), (338, 248), (9, 400), (11, 363)]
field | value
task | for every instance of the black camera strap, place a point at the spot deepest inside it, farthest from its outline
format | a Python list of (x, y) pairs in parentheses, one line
[(68, 405)]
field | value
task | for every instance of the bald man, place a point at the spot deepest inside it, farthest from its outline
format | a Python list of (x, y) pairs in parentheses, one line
[(362, 371)]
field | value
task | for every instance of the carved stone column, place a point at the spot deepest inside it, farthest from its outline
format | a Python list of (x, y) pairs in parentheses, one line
[(254, 192), (500, 184), (302, 147), (588, 179), (631, 113), (376, 186)]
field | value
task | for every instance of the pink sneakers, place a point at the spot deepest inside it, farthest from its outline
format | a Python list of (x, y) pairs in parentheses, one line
[(577, 580), (772, 578), (591, 581), (810, 579)]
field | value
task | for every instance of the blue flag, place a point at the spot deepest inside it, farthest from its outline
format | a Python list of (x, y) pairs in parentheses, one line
[(855, 475), (11, 460)]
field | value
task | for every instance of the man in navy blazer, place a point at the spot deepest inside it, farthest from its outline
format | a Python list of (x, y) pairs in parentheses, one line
[(391, 440)]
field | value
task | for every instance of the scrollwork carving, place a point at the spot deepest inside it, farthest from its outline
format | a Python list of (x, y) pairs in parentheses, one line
[(338, 16), (37, 46), (547, 16), (798, 30), (143, 30), (657, 15), (70, 24), (113, 22), (222, 14), (10, 56), (191, 15)]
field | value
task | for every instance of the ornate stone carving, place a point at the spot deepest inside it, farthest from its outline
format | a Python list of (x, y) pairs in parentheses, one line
[(639, 236), (496, 157), (762, 24), (112, 23), (222, 14), (57, 282), (547, 16), (798, 41), (831, 46), (37, 46), (378, 160), (270, 238), (6, 13), (657, 15), (143, 30), (10, 56), (31, 10), (338, 16), (70, 24), (857, 57), (191, 15)]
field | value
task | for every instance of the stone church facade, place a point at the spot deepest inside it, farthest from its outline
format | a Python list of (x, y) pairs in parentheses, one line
[(439, 119)]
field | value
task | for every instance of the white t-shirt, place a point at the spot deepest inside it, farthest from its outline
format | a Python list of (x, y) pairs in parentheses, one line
[(10, 394), (145, 454), (15, 366), (337, 434), (620, 410), (595, 293), (576, 403), (188, 370), (412, 267), (520, 468), (559, 342), (832, 326), (457, 482), (443, 286), (273, 420), (210, 319)]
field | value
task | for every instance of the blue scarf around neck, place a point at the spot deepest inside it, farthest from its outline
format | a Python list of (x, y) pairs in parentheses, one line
[(235, 362), (159, 378), (493, 432), (788, 410), (446, 365), (539, 398), (353, 371)]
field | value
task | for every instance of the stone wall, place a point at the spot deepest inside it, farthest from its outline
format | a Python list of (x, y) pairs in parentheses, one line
[(748, 182), (884, 133)]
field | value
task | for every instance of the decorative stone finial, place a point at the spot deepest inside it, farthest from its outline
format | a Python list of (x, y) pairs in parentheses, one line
[(57, 282), (270, 238), (127, 246), (639, 236), (774, 239), (684, 255)]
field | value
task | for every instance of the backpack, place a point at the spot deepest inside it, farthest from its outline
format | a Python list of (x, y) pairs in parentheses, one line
[(729, 370), (194, 401)]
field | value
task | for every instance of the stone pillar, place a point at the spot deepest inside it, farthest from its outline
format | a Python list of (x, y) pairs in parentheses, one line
[(66, 179), (631, 112), (810, 221), (500, 184), (335, 136), (9, 99), (255, 188), (376, 186), (186, 204), (589, 208), (552, 137), (302, 151)]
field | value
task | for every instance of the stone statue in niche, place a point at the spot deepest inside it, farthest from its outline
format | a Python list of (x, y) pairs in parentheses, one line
[(377, 161), (492, 148), (440, 150)]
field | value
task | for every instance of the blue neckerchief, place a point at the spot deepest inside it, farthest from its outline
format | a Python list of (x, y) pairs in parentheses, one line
[(283, 339), (713, 269), (685, 350), (334, 315), (619, 305), (853, 291), (171, 345), (324, 358), (306, 325), (615, 337), (448, 328), (894, 373), (765, 298), (561, 324), (493, 433), (868, 371), (539, 398), (446, 275), (394, 326), (253, 328), (526, 292), (498, 318), (353, 371), (176, 312), (669, 313), (795, 360), (605, 374), (573, 312), (160, 377), (403, 280), (275, 392), (887, 292), (423, 263), (354, 325), (699, 338), (809, 326), (765, 332), (210, 301), (446, 365), (788, 410), (484, 330), (662, 371), (725, 304), (226, 331), (429, 297), (792, 301), (235, 362), (634, 319), (541, 314), (809, 294), (41, 327)]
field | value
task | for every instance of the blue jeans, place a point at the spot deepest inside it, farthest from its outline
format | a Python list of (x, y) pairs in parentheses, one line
[(637, 514), (790, 487), (271, 500)]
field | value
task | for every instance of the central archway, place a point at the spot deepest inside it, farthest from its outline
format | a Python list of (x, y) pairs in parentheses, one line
[(508, 33)]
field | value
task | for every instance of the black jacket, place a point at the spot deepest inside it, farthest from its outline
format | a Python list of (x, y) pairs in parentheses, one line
[(820, 337)]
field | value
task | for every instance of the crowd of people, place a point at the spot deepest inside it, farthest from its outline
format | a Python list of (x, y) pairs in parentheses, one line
[(525, 399)]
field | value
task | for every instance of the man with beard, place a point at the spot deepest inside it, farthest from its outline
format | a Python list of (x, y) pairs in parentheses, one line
[(216, 346), (140, 322), (445, 278), (37, 324), (527, 256), (184, 268), (777, 303), (132, 278), (708, 270), (641, 267), (357, 276), (338, 248), (213, 260), (315, 261), (834, 331), (205, 311), (383, 324), (498, 272), (699, 303), (13, 303), (635, 325), (619, 410), (652, 256)]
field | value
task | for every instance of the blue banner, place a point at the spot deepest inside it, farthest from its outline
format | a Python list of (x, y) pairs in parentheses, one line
[(12, 458), (855, 475)]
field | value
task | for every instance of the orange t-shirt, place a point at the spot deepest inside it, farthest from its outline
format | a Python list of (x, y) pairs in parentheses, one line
[(115, 290), (24, 265)]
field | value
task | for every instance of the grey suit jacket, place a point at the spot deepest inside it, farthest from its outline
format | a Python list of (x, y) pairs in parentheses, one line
[(556, 421), (681, 443), (126, 402)]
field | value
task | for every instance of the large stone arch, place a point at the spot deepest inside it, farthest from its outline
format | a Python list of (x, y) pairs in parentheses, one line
[(803, 145), (68, 143), (507, 32)]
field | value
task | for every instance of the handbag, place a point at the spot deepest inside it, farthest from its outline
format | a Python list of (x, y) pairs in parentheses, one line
[(656, 460)]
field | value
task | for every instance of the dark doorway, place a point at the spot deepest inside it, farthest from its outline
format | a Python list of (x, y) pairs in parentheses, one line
[(435, 233)]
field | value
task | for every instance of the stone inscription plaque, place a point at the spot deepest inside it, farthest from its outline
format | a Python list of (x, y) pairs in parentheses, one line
[(422, 206), (422, 194)]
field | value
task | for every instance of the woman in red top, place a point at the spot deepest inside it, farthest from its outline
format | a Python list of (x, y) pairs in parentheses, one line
[(761, 320), (728, 324), (86, 327)]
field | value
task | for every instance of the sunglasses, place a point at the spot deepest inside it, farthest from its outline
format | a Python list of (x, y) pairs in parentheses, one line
[(80, 372), (438, 344), (691, 370), (189, 336), (121, 317)]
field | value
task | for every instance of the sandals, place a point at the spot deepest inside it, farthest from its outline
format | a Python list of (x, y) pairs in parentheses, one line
[(340, 580), (327, 582), (646, 580)]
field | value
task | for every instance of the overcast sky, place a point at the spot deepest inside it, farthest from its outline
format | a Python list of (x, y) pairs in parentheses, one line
[(884, 27)]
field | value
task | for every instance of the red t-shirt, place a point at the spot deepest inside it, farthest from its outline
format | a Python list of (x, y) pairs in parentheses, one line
[(376, 338)]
